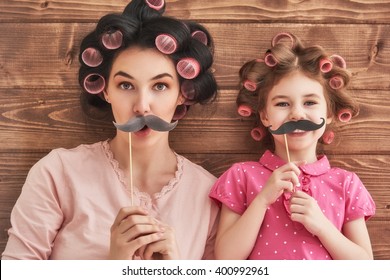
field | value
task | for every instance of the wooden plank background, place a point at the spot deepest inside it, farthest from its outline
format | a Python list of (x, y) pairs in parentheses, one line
[(39, 106)]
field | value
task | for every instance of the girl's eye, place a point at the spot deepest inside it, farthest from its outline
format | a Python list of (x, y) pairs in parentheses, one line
[(310, 103), (160, 87), (125, 86), (282, 104)]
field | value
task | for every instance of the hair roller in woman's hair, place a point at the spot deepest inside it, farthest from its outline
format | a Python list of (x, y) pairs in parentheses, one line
[(92, 57), (166, 43), (339, 61), (188, 68), (258, 133), (325, 65), (244, 110), (200, 36), (180, 112), (336, 82), (328, 137), (155, 4), (188, 90), (278, 37), (94, 83), (112, 40), (344, 115), (270, 60)]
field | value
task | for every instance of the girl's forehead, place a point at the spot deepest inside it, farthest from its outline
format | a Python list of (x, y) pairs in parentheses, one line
[(296, 83)]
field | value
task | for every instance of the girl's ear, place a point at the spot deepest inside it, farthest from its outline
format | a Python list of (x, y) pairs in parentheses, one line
[(264, 118)]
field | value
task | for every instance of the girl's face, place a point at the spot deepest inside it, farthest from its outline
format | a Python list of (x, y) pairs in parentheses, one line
[(294, 98), (143, 82)]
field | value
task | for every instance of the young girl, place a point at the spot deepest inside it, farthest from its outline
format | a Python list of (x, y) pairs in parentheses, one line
[(292, 204), (78, 203)]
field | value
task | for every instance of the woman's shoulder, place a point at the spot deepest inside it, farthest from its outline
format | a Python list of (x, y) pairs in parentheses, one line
[(72, 156), (194, 170)]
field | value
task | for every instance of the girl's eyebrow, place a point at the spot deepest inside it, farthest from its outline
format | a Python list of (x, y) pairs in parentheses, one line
[(309, 95), (159, 76)]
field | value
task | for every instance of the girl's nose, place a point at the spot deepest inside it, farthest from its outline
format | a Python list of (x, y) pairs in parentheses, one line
[(297, 113)]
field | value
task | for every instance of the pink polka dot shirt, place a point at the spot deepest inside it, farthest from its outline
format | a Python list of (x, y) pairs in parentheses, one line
[(339, 193)]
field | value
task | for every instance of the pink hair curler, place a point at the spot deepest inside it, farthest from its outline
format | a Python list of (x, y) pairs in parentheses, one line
[(112, 40), (328, 137), (280, 36), (155, 4), (344, 115), (244, 110), (188, 68), (200, 36), (325, 65), (94, 83), (258, 133), (339, 61), (166, 43), (270, 60), (336, 82), (92, 57), (188, 90), (250, 85), (180, 112)]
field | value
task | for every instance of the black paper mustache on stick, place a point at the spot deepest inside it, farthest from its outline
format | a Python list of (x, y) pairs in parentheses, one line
[(150, 121), (291, 126)]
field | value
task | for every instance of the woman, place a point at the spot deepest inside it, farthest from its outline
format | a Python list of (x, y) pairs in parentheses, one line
[(98, 202)]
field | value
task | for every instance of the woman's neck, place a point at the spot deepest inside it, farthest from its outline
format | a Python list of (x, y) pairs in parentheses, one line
[(153, 166)]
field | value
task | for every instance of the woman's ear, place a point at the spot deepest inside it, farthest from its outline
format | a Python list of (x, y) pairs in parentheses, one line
[(181, 99), (105, 94)]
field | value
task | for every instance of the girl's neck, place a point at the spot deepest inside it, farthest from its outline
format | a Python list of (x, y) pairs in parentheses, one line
[(297, 155)]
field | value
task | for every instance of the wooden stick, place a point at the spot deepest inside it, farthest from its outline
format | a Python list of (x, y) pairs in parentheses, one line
[(131, 171), (288, 152)]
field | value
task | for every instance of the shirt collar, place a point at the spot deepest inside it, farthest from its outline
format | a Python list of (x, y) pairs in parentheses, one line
[(272, 162)]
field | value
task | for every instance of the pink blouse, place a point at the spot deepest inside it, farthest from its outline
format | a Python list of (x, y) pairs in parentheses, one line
[(71, 198), (339, 193)]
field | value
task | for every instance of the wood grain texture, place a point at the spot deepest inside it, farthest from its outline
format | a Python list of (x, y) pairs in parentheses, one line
[(39, 92), (362, 11), (50, 51)]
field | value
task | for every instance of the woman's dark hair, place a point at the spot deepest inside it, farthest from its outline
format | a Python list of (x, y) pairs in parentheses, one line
[(139, 25)]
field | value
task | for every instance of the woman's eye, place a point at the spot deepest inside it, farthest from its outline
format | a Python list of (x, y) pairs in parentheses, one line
[(125, 86), (160, 87)]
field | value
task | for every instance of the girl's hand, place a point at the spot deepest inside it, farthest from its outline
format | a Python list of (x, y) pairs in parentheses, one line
[(305, 210), (163, 249), (131, 230), (285, 178)]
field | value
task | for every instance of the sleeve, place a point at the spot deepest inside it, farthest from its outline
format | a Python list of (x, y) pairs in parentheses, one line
[(210, 243), (230, 189), (359, 202), (36, 217)]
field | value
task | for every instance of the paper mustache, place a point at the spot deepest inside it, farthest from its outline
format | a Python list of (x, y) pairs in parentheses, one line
[(291, 126), (151, 121)]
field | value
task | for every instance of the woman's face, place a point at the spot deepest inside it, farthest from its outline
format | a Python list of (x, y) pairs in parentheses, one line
[(143, 82), (296, 97)]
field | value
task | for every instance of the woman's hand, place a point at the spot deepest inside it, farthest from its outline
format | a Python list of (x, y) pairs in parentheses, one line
[(163, 249), (133, 229)]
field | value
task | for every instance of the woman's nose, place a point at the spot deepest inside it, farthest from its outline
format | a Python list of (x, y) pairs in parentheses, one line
[(142, 103)]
